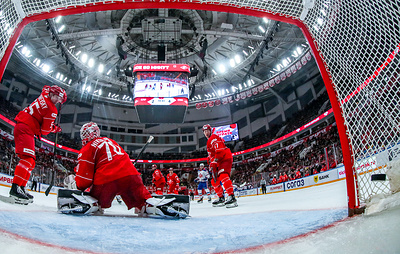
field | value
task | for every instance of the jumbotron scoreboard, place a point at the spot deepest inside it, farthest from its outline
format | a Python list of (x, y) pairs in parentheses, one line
[(161, 92)]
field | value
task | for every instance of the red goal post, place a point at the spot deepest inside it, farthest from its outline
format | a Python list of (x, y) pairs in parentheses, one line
[(355, 44)]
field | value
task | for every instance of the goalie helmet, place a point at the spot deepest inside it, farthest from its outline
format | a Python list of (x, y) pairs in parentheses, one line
[(60, 92), (89, 131)]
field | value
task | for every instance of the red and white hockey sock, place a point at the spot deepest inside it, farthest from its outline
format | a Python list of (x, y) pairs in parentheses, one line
[(23, 170), (227, 183), (217, 188)]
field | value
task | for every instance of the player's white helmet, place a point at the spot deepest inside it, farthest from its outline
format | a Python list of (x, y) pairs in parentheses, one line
[(201, 164), (89, 131)]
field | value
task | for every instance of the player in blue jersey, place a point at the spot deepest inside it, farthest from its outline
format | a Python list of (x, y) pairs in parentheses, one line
[(202, 179)]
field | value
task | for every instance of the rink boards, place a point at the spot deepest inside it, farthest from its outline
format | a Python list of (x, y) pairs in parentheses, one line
[(309, 181)]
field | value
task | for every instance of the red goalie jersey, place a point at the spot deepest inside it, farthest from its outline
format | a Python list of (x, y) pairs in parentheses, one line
[(40, 115), (112, 163)]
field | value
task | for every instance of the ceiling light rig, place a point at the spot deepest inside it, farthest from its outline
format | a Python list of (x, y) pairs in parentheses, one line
[(192, 32)]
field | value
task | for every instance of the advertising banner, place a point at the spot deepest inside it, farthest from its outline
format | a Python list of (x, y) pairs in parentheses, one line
[(275, 188), (227, 132), (324, 177)]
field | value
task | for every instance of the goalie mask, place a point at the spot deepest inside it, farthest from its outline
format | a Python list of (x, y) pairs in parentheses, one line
[(89, 131)]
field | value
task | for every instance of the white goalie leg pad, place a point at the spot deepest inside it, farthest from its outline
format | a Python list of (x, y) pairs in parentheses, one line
[(86, 199), (76, 202), (159, 201), (166, 212), (169, 206)]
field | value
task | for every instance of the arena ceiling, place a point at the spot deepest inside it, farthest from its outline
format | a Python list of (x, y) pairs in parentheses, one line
[(92, 53)]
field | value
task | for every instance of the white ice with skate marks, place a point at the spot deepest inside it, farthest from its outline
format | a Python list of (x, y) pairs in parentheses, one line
[(260, 220)]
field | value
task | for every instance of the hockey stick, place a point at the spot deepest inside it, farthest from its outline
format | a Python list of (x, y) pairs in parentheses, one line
[(144, 147), (54, 154)]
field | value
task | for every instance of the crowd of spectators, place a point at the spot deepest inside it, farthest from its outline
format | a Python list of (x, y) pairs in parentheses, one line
[(298, 119), (307, 158)]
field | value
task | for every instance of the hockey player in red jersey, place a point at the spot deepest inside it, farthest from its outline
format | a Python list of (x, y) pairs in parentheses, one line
[(298, 174), (285, 177), (158, 180), (36, 119), (105, 167), (274, 181), (173, 182), (220, 162)]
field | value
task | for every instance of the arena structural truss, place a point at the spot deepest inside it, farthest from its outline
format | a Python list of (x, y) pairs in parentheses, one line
[(355, 44)]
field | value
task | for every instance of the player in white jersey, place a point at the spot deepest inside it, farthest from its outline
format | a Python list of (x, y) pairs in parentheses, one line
[(202, 180)]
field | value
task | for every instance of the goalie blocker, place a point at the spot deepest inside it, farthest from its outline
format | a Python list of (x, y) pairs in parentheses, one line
[(167, 206)]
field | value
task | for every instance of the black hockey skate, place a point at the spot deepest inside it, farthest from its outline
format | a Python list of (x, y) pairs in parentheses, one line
[(231, 202), (209, 199), (219, 202), (19, 195), (27, 193), (200, 200)]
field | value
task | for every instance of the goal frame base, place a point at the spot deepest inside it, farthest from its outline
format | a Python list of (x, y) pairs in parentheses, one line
[(356, 211)]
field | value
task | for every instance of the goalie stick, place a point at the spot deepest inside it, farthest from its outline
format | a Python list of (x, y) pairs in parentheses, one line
[(54, 154), (143, 148)]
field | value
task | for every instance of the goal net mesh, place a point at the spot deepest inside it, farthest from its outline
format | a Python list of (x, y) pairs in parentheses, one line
[(358, 41)]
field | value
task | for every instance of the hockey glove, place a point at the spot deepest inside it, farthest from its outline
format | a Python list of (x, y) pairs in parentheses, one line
[(56, 129), (213, 169)]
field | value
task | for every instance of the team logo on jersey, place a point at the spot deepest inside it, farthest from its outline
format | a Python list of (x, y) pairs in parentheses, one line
[(316, 179), (29, 151)]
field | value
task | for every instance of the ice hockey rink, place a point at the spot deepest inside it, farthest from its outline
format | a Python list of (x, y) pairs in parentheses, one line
[(310, 220)]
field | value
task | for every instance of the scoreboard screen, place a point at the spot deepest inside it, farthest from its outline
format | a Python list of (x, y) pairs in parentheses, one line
[(161, 92)]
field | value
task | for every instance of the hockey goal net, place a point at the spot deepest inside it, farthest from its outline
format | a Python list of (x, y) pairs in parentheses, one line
[(355, 43)]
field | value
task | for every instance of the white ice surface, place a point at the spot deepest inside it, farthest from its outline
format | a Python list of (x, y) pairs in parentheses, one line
[(311, 220)]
